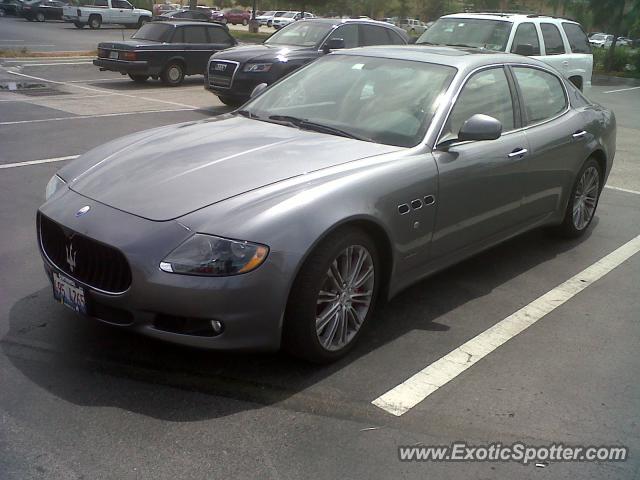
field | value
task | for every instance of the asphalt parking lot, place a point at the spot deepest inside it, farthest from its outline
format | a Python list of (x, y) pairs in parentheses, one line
[(83, 400), (57, 36)]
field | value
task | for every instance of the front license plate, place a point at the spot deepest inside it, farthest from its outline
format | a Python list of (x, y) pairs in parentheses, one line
[(69, 293), (113, 55)]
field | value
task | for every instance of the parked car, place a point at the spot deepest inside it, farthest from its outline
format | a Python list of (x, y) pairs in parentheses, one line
[(412, 26), (558, 42), (160, 8), (105, 12), (267, 17), (348, 181), (624, 42), (288, 18), (10, 7), (601, 40), (233, 74), (42, 10), (165, 50), (236, 16), (186, 15)]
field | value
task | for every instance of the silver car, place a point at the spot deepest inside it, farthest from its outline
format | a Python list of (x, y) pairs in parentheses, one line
[(281, 223)]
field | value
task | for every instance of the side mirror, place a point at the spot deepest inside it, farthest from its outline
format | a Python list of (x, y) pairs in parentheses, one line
[(524, 49), (333, 44), (480, 127), (258, 89)]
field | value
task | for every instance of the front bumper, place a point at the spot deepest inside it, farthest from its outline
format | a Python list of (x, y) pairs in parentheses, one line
[(242, 84), (139, 67), (156, 304)]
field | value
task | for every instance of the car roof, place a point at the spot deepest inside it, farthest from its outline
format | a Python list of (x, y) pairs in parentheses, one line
[(463, 59), (182, 23), (508, 16)]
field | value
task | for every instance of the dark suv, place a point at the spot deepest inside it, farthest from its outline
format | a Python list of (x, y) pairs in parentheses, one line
[(233, 73)]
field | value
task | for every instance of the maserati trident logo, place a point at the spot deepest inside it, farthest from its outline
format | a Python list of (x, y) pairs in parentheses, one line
[(83, 210), (71, 256)]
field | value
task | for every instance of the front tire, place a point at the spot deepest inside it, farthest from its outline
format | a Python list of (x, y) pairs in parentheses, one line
[(79, 25), (583, 201), (333, 296), (231, 101), (173, 74), (40, 17)]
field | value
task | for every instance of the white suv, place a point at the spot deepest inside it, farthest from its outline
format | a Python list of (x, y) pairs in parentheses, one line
[(558, 42)]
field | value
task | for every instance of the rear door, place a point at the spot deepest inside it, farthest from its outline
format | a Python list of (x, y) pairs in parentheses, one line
[(556, 139), (373, 35), (197, 48), (581, 58), (554, 49)]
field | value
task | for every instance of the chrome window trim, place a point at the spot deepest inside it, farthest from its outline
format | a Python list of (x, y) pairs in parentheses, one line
[(454, 99)]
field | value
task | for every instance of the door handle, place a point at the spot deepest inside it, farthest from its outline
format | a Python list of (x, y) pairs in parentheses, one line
[(579, 134), (518, 152), (565, 63)]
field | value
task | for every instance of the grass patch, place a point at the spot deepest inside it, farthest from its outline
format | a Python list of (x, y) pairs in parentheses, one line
[(626, 62), (248, 37), (26, 53)]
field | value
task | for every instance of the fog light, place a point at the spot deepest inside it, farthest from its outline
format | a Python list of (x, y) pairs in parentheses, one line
[(217, 326)]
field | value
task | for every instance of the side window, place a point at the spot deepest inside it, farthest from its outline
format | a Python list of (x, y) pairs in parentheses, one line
[(542, 94), (394, 38), (578, 41), (178, 35), (218, 35), (526, 35), (118, 4), (372, 35), (349, 33), (485, 92), (195, 35), (101, 3), (553, 43)]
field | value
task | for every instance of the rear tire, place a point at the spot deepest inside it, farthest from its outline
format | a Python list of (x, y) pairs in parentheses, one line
[(173, 74), (139, 78), (324, 317), (583, 201), (95, 21)]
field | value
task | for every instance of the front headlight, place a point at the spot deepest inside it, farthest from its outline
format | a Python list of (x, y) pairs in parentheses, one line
[(257, 67), (55, 184), (214, 256)]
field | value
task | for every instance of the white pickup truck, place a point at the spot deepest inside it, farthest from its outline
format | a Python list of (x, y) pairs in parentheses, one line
[(106, 12)]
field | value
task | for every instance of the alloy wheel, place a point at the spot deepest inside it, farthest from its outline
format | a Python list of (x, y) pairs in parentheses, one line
[(586, 198), (345, 297)]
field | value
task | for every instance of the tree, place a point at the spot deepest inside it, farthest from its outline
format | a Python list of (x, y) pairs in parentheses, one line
[(613, 12)]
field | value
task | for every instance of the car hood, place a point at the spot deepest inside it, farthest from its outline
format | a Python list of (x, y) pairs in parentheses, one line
[(262, 52), (170, 172)]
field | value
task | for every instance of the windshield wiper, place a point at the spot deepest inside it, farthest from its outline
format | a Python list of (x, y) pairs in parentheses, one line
[(427, 43), (464, 45), (318, 127)]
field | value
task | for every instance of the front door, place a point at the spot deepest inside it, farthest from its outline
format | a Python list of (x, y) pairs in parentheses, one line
[(481, 184)]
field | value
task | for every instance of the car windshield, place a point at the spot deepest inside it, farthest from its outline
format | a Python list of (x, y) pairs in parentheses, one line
[(289, 14), (381, 100), (302, 34), (598, 36), (468, 32), (153, 31)]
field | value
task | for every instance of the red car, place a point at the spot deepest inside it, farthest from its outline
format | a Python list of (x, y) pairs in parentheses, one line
[(235, 16)]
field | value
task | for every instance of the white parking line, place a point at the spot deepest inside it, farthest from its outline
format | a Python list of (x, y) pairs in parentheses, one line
[(38, 162), (102, 90), (621, 90), (620, 189), (100, 115), (414, 390)]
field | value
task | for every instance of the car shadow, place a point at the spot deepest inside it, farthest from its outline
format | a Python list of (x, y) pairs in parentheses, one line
[(74, 347), (150, 84)]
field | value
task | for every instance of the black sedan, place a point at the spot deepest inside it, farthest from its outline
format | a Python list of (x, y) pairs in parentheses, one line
[(42, 10), (165, 50), (232, 75)]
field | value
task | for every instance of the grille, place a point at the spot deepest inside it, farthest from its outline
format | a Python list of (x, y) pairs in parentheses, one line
[(221, 73), (94, 263)]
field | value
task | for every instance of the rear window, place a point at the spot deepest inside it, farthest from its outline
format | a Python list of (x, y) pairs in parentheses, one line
[(553, 43), (153, 31), (468, 32), (578, 41)]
